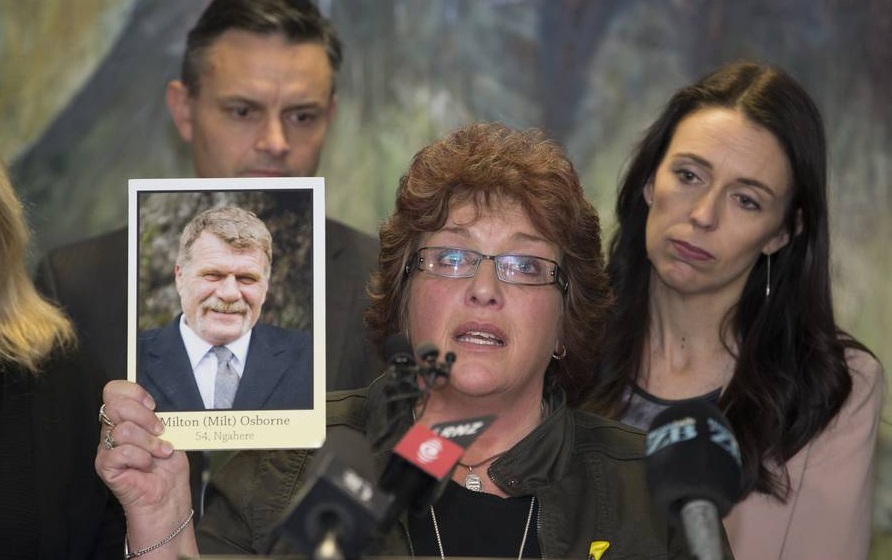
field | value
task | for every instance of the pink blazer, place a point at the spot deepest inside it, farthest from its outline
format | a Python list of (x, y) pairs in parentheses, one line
[(829, 510)]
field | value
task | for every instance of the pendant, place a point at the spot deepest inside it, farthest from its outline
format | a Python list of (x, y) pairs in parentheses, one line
[(473, 482)]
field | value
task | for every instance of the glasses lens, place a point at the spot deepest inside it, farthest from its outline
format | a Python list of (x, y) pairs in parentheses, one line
[(524, 269), (449, 261)]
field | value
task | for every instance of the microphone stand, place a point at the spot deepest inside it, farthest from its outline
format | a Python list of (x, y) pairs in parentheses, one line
[(328, 548), (702, 529)]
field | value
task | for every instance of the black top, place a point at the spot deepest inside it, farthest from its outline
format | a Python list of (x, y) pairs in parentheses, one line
[(476, 524), (644, 407), (18, 509), (53, 505)]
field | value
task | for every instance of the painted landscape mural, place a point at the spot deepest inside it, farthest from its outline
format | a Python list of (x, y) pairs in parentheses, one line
[(82, 102)]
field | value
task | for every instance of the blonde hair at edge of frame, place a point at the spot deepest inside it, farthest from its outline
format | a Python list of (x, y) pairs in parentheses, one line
[(30, 327)]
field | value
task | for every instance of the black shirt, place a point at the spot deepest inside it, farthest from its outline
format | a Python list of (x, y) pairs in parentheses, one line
[(19, 520), (477, 524)]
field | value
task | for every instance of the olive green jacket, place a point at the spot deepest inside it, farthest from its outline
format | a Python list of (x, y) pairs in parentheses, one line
[(587, 474)]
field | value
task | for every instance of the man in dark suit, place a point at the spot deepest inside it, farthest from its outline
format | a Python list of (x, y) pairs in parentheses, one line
[(214, 355), (255, 98)]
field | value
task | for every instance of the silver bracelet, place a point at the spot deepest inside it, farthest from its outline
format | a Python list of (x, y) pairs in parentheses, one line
[(128, 555)]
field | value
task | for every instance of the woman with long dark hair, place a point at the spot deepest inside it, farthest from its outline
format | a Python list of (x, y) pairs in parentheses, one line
[(720, 267)]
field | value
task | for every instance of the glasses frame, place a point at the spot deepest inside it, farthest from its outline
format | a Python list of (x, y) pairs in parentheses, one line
[(557, 275)]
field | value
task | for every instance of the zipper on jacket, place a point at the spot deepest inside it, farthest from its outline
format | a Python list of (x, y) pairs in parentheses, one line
[(408, 535), (539, 529)]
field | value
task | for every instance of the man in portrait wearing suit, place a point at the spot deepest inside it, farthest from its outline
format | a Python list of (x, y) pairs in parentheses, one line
[(214, 355), (255, 98)]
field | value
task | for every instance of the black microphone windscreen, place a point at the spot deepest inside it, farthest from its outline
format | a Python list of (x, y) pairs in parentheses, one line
[(351, 448), (692, 454), (428, 351), (338, 497), (398, 350)]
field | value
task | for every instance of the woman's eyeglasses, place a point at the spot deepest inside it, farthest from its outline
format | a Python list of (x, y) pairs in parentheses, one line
[(452, 262)]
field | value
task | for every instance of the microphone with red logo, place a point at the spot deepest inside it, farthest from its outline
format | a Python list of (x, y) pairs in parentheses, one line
[(422, 462)]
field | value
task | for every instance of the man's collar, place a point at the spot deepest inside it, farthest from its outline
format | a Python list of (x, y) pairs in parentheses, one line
[(197, 348)]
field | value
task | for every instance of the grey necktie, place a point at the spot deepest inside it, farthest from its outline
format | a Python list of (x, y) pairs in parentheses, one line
[(227, 379)]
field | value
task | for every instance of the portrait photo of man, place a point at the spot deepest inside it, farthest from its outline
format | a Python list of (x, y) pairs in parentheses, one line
[(217, 352)]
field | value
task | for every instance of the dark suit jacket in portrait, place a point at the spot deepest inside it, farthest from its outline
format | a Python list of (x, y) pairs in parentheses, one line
[(278, 373), (89, 279)]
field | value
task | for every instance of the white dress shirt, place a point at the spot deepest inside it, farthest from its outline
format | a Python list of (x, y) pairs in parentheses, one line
[(204, 362)]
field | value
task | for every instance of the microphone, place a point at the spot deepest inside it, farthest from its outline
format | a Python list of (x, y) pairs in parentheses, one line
[(430, 369), (693, 469), (401, 386), (337, 509), (399, 351), (428, 352), (422, 462), (402, 367)]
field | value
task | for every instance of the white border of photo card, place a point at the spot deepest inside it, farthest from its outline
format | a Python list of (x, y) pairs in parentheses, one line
[(229, 429)]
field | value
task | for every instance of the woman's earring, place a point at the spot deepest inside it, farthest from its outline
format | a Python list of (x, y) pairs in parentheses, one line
[(559, 354), (768, 276)]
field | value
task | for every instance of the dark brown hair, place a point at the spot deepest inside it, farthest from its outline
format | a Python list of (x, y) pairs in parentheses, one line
[(791, 376), (298, 21)]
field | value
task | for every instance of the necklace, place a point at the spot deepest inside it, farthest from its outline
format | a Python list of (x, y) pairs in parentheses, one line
[(472, 479), (523, 542)]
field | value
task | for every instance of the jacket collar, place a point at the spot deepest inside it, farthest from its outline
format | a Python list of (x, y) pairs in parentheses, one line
[(542, 456), (536, 461)]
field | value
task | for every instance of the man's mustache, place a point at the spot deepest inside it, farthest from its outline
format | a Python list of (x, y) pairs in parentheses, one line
[(226, 307)]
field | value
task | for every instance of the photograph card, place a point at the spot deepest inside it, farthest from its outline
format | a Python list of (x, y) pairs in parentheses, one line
[(226, 309)]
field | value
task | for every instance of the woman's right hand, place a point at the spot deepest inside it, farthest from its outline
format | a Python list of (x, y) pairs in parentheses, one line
[(147, 476)]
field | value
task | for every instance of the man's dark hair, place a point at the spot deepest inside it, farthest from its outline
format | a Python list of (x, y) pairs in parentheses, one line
[(298, 21)]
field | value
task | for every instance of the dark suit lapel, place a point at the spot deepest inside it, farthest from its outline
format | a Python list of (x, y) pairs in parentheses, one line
[(167, 364), (339, 298), (265, 366), (113, 357)]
